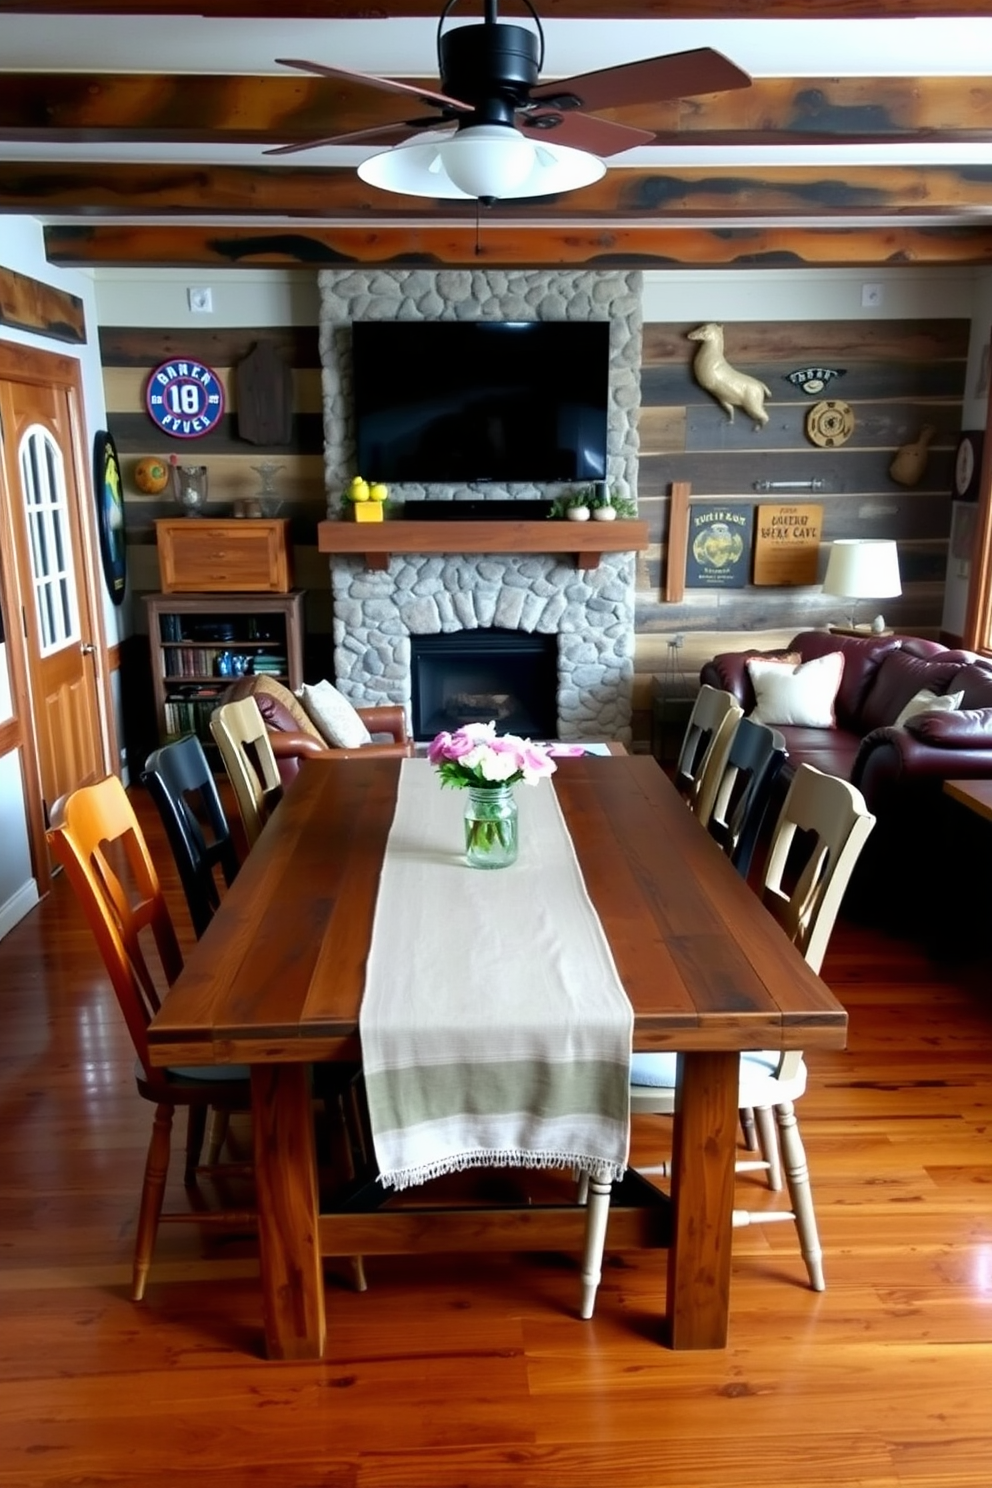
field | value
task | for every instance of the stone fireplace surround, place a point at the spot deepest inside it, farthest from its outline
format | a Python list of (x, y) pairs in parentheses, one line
[(591, 611)]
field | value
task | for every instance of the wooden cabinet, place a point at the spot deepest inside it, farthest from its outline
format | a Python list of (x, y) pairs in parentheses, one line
[(224, 555), (200, 643)]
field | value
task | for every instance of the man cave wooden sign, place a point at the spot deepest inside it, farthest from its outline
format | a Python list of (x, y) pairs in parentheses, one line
[(787, 544)]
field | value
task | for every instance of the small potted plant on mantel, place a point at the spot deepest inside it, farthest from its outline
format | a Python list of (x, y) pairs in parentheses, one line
[(575, 506), (608, 505), (586, 502)]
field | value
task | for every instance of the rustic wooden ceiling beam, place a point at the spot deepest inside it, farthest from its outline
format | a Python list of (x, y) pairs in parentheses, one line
[(162, 108), (452, 243), (558, 10), (58, 190)]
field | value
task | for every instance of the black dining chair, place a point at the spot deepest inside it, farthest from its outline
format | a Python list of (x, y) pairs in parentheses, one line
[(180, 782), (754, 763)]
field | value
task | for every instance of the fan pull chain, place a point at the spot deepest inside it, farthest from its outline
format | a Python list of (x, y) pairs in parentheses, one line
[(478, 227)]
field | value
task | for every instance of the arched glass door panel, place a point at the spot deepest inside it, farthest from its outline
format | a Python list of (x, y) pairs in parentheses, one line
[(49, 540)]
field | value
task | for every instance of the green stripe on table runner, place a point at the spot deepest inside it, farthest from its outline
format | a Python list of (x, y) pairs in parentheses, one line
[(405, 1097)]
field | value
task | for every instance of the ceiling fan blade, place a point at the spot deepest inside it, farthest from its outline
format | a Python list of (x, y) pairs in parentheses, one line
[(389, 85), (384, 134), (653, 80), (584, 132)]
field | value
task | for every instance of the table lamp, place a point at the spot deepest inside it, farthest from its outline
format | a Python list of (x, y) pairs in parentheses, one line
[(863, 568)]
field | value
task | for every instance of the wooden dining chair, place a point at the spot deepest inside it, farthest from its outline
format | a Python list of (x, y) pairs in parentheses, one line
[(180, 782), (239, 732), (97, 838), (821, 829), (705, 746), (754, 761)]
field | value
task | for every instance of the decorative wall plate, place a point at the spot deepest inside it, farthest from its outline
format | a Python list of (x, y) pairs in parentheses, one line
[(185, 398), (968, 464), (110, 514), (830, 423)]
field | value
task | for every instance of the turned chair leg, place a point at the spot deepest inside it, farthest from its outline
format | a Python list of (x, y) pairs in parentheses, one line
[(598, 1212), (152, 1194), (196, 1126), (764, 1118), (219, 1124), (800, 1193), (748, 1130)]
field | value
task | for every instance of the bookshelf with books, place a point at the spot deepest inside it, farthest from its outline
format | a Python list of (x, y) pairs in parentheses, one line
[(200, 643)]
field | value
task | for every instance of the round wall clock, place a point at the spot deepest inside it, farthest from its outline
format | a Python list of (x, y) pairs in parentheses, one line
[(968, 465), (185, 398), (830, 423), (110, 515)]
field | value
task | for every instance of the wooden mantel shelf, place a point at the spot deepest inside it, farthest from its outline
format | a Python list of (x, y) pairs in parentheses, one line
[(588, 541)]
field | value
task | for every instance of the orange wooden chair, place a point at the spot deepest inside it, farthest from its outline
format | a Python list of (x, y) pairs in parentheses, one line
[(97, 838)]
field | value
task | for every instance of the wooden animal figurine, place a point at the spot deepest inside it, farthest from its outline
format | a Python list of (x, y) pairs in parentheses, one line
[(910, 461), (730, 388)]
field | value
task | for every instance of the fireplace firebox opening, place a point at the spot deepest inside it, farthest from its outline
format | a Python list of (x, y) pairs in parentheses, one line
[(472, 676)]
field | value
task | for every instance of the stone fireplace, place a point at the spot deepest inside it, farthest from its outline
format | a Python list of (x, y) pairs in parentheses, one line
[(589, 612)]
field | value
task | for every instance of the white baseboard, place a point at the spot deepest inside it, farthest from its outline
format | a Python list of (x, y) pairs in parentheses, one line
[(17, 906)]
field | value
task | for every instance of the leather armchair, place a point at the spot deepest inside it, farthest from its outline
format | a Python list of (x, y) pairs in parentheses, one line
[(295, 738)]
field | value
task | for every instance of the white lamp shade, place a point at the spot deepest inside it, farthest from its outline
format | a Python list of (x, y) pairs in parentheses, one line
[(860, 568), (482, 160)]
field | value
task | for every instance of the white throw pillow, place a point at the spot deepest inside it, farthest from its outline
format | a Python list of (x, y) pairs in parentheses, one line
[(926, 701), (802, 696), (333, 715)]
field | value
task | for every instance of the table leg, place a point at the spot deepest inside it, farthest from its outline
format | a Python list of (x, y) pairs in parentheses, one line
[(704, 1141), (286, 1184)]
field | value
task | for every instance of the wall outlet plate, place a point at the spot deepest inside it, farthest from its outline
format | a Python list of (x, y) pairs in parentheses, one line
[(200, 301)]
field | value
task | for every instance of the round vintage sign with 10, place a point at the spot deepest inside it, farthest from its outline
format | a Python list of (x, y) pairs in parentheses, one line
[(185, 398)]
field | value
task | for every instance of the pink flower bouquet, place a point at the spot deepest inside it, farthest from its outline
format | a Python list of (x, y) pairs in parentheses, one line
[(475, 755)]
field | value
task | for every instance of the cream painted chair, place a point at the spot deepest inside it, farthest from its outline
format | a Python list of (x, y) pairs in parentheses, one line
[(827, 821), (240, 734), (705, 746)]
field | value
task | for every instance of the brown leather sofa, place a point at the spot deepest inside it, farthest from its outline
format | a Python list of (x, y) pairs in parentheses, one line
[(916, 850), (295, 738)]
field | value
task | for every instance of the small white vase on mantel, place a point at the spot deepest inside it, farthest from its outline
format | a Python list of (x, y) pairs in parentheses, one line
[(578, 514), (604, 513)]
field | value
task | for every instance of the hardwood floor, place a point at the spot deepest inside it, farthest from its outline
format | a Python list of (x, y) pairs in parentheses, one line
[(445, 1373)]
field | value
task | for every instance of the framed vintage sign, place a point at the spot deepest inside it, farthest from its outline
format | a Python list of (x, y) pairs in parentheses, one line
[(787, 544), (109, 491), (718, 554)]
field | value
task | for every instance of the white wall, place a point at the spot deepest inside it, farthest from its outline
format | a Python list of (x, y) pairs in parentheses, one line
[(812, 294), (241, 297), (22, 249)]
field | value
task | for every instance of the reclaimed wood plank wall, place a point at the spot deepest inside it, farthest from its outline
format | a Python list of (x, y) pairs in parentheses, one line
[(898, 375), (128, 356)]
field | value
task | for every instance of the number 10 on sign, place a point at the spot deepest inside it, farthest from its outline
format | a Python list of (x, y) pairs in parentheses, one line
[(185, 398)]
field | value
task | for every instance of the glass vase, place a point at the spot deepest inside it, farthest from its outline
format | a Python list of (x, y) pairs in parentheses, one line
[(490, 826)]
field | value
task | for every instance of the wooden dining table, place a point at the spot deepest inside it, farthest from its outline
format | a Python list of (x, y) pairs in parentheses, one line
[(277, 982)]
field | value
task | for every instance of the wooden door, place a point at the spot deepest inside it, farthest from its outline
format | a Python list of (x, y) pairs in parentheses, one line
[(43, 490)]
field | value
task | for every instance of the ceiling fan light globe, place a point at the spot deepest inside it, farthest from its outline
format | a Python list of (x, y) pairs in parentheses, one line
[(559, 168), (414, 168), (488, 159), (418, 167)]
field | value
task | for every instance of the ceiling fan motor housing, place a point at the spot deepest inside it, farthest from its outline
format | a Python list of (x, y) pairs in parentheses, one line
[(491, 66)]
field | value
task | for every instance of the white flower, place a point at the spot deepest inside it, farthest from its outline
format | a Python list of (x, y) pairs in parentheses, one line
[(498, 766)]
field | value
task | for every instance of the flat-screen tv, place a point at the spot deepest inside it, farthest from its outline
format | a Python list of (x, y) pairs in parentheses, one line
[(481, 400)]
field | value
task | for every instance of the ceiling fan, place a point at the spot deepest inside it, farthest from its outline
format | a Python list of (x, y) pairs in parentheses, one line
[(498, 131)]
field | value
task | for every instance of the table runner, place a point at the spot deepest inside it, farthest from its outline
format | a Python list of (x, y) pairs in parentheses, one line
[(495, 1031)]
